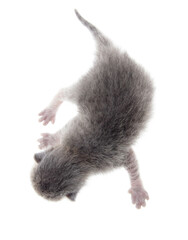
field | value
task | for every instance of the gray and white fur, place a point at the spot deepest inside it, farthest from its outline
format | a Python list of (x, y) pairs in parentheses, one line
[(114, 103)]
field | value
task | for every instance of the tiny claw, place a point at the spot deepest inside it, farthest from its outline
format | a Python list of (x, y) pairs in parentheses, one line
[(41, 113), (44, 134), (41, 119), (138, 206), (40, 147)]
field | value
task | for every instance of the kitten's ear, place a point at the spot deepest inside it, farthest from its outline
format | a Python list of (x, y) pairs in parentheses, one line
[(72, 196), (39, 156)]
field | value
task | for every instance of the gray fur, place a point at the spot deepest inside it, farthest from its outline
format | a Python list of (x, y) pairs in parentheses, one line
[(114, 100)]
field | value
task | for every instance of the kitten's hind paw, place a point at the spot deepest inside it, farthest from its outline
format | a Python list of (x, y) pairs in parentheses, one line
[(139, 195)]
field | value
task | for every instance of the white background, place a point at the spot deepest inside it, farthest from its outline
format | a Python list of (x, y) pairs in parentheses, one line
[(43, 47)]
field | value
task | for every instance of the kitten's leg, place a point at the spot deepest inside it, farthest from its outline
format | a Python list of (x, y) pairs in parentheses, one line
[(50, 140), (49, 113), (137, 191)]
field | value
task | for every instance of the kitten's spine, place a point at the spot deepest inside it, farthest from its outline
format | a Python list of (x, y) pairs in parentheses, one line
[(101, 39)]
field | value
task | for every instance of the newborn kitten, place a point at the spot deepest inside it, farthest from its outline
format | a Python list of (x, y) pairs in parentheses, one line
[(114, 103)]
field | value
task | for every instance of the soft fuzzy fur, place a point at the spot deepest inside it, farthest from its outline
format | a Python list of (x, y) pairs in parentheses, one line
[(114, 102)]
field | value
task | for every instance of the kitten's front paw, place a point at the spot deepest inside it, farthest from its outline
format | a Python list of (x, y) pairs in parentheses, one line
[(47, 115), (47, 140), (139, 195)]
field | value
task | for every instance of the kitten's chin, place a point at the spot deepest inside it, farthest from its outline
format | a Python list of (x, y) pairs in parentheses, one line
[(51, 196)]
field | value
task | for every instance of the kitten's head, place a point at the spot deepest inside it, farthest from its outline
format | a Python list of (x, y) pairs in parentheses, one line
[(54, 177)]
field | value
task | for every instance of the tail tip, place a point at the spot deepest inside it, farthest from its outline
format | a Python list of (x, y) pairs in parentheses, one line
[(79, 16), (76, 12)]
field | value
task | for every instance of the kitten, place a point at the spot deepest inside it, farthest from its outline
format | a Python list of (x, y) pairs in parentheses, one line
[(114, 103)]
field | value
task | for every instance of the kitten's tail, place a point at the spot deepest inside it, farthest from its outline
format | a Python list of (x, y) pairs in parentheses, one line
[(101, 39)]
